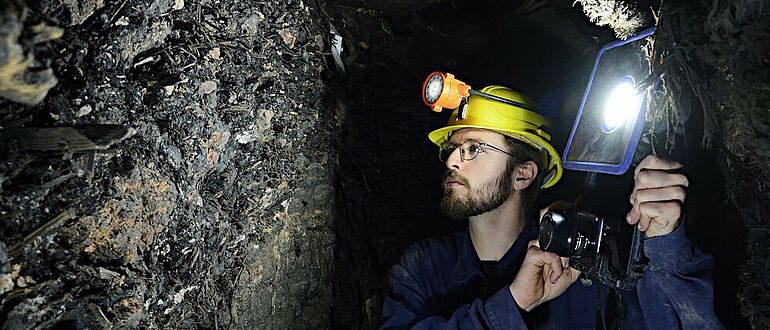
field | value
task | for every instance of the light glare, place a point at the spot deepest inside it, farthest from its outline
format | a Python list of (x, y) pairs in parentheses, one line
[(622, 105)]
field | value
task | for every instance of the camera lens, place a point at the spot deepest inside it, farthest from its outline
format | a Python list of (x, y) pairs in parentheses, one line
[(547, 227), (556, 234)]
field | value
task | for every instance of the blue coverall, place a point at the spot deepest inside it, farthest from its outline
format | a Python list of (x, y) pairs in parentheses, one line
[(439, 284)]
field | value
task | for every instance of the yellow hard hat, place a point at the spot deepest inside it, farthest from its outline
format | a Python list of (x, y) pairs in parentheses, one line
[(507, 119)]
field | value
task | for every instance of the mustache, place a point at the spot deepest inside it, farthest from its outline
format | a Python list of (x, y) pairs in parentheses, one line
[(452, 174)]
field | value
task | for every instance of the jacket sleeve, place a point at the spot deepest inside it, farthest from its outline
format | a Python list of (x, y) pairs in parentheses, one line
[(676, 290), (408, 307)]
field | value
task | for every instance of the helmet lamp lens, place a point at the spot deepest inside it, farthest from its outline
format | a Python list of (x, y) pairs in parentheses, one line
[(433, 88)]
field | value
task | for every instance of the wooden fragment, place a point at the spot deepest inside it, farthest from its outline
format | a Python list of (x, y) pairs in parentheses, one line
[(40, 230), (76, 139)]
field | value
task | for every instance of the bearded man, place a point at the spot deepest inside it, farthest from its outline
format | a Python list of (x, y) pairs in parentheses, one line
[(493, 275)]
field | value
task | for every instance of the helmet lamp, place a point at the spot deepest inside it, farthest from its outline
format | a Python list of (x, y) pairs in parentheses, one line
[(441, 90), (433, 88)]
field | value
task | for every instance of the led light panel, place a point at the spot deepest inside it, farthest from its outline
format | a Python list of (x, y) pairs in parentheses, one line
[(611, 115)]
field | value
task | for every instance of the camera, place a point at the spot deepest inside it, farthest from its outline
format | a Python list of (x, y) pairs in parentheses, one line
[(608, 251)]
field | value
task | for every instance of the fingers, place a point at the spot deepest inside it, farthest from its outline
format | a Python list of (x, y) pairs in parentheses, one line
[(548, 261), (652, 162), (574, 272), (567, 276), (677, 193), (554, 262), (659, 218), (666, 194), (657, 196), (542, 277), (535, 243), (658, 178)]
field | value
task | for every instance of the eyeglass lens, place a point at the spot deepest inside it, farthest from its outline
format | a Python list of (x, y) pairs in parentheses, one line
[(445, 152), (468, 150)]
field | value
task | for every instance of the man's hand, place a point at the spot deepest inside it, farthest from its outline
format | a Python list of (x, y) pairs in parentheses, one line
[(658, 196), (542, 277)]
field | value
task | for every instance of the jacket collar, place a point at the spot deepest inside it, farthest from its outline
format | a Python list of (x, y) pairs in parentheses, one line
[(468, 263)]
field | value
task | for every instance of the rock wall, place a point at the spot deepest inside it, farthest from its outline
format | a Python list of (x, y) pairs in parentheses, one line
[(737, 36), (214, 208), (711, 58)]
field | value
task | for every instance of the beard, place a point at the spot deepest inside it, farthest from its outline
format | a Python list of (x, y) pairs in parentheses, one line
[(475, 202)]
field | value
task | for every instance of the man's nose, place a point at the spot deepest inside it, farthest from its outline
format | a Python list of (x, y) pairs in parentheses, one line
[(454, 160)]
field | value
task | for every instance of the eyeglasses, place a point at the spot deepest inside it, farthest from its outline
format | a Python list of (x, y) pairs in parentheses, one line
[(468, 150)]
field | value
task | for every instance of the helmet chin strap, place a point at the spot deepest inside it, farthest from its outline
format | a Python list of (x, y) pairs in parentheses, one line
[(548, 177)]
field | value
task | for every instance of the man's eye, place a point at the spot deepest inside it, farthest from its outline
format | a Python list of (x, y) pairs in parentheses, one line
[(474, 148)]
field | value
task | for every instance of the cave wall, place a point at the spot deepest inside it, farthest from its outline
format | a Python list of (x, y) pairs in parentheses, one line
[(723, 59), (213, 209), (712, 58)]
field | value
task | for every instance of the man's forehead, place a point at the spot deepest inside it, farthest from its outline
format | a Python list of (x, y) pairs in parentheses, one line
[(480, 134)]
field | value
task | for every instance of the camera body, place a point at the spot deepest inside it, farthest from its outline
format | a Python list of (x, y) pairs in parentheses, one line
[(608, 251)]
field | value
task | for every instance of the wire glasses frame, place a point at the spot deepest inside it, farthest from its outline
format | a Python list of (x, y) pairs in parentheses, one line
[(468, 150)]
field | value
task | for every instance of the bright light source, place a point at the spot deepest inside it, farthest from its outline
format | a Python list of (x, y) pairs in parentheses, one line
[(441, 90), (606, 132), (434, 87), (622, 105)]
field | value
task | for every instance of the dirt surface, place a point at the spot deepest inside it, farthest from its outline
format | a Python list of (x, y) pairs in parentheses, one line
[(215, 212)]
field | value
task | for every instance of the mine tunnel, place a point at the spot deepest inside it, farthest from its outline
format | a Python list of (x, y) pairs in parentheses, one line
[(264, 165)]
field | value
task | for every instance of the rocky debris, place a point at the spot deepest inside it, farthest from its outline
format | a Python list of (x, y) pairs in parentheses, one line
[(69, 12), (215, 211), (23, 78)]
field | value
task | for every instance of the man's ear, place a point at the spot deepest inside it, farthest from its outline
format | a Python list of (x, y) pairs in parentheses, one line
[(524, 175)]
